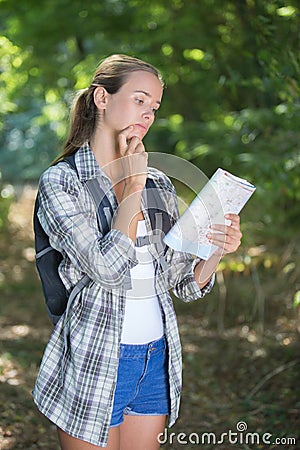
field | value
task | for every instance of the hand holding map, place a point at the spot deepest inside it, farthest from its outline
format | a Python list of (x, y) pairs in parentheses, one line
[(224, 193)]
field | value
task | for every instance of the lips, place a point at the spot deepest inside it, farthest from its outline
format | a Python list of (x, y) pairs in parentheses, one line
[(141, 125)]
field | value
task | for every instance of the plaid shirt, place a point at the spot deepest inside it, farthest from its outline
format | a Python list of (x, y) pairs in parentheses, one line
[(76, 382)]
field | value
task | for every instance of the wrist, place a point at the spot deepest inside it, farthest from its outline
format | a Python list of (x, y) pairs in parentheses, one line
[(133, 188), (204, 269)]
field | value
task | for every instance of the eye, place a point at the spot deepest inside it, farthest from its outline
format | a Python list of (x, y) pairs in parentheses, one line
[(139, 101)]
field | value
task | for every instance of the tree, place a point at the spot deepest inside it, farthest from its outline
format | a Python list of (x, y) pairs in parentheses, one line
[(231, 71)]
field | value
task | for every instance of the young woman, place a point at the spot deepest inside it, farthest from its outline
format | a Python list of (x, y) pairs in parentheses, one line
[(117, 377)]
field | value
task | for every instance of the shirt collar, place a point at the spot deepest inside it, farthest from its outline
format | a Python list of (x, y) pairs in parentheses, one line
[(86, 164), (88, 168)]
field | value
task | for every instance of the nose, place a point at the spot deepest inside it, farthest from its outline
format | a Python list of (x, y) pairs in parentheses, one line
[(148, 115)]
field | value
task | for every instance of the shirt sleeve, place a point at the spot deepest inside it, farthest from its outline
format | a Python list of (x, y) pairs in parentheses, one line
[(68, 216), (182, 279), (181, 266)]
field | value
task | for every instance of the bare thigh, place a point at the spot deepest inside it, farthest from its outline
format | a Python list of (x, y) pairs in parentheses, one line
[(135, 433), (68, 442), (141, 432)]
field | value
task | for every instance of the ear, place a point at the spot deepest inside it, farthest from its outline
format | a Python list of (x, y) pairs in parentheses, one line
[(100, 97)]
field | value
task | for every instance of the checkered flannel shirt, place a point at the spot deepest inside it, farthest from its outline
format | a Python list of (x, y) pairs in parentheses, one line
[(75, 385)]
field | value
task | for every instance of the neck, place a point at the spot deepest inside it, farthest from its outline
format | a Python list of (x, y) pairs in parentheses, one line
[(103, 145)]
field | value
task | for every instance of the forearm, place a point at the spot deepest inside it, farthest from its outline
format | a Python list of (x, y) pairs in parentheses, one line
[(127, 215), (228, 239), (204, 269)]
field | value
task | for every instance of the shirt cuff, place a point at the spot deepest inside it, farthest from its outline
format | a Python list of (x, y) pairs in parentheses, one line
[(196, 291), (124, 244)]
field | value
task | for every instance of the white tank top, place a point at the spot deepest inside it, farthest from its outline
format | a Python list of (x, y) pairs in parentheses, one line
[(143, 318)]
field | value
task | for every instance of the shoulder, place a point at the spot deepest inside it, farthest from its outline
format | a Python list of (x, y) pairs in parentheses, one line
[(161, 180), (60, 176)]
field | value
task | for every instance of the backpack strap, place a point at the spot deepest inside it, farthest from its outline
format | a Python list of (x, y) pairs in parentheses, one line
[(104, 215), (83, 282), (159, 217), (160, 222), (102, 204)]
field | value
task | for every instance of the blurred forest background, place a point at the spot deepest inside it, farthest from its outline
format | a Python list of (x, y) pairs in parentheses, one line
[(232, 71)]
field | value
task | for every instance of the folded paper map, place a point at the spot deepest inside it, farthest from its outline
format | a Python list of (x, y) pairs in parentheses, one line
[(224, 193)]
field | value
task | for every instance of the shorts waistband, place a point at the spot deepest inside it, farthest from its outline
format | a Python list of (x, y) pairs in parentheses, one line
[(127, 350)]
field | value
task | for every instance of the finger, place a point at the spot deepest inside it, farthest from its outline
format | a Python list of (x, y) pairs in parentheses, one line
[(224, 240), (234, 219), (140, 148), (216, 238), (135, 145), (123, 139), (225, 229), (229, 241), (219, 227), (234, 225)]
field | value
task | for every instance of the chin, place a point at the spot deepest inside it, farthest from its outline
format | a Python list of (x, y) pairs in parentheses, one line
[(138, 133)]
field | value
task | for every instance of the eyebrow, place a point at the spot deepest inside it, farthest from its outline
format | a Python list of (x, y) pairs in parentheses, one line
[(147, 94)]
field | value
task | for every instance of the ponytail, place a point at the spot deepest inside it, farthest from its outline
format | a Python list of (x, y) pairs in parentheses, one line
[(83, 122)]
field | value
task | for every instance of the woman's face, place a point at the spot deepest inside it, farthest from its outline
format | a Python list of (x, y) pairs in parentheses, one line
[(134, 104)]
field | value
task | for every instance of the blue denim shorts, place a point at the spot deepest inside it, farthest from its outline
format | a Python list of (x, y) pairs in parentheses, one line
[(143, 382)]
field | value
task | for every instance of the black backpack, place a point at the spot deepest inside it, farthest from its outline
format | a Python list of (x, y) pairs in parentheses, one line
[(48, 259)]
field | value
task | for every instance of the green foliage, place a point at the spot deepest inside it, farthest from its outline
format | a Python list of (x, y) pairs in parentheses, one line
[(297, 299), (231, 98), (6, 197), (232, 71), (220, 57)]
